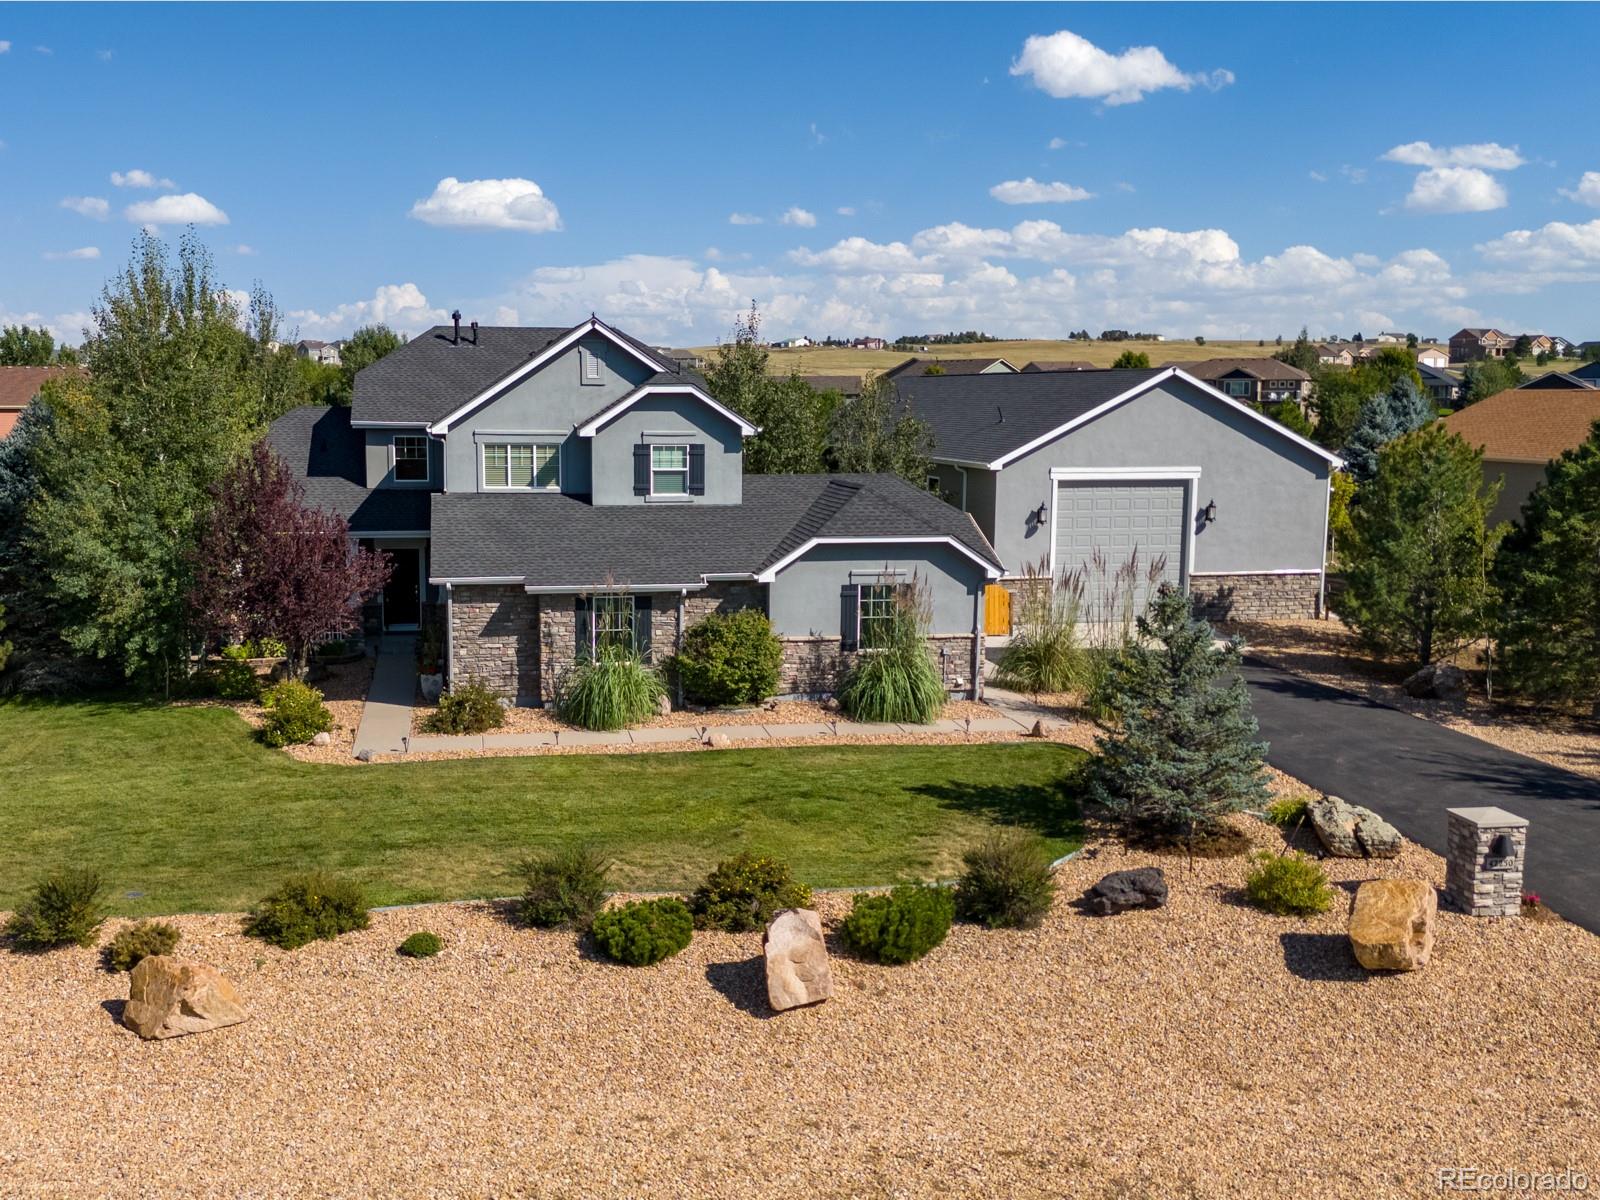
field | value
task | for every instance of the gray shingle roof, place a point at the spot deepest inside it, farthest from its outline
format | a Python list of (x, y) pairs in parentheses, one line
[(327, 456), (949, 366), (555, 541)]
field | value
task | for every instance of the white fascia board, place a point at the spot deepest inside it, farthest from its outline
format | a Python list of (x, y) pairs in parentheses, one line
[(449, 580), (388, 425), (959, 462), (554, 350), (1112, 474), (989, 569), (600, 589), (593, 426)]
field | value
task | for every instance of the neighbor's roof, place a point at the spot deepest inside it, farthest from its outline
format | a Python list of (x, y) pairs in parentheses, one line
[(1555, 381), (549, 540), (19, 385), (1062, 364), (1256, 368), (329, 459), (951, 366), (1523, 426), (835, 383)]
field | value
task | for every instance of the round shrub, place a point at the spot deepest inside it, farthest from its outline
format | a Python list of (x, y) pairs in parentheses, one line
[(743, 892), (422, 945), (730, 658), (306, 908), (612, 691), (295, 714), (902, 926), (1008, 883), (139, 941), (1290, 885), (644, 931), (470, 708), (1287, 810), (563, 888), (62, 910)]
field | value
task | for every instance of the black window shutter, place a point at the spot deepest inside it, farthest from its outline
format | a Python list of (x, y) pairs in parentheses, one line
[(641, 626), (697, 470), (583, 623), (641, 470), (849, 599)]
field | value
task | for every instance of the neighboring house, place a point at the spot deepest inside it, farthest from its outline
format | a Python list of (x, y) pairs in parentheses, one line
[(1538, 343), (848, 386), (1432, 356), (1556, 381), (1443, 388), (794, 343), (1519, 432), (1056, 467), (1065, 364), (1560, 346), (1256, 380), (1389, 337), (1475, 344), (1336, 356), (1589, 373), (554, 491), (326, 353), (18, 387), (685, 360), (868, 343), (951, 366)]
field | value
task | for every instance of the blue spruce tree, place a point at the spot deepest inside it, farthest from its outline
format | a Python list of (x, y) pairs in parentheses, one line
[(1385, 417)]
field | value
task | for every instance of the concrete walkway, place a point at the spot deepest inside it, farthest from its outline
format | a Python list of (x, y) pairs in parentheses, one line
[(386, 718)]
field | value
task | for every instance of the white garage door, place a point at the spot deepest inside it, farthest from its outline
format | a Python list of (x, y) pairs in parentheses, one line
[(1118, 519)]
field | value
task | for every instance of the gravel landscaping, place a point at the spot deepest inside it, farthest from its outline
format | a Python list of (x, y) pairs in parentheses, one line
[(1204, 1049)]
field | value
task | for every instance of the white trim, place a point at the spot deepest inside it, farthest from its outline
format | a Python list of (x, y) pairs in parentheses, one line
[(1188, 476), (600, 589), (449, 633), (390, 533), (562, 344), (485, 580), (1282, 571), (1112, 474), (767, 576), (617, 407), (1138, 390), (427, 461), (512, 440), (961, 462), (726, 576), (652, 494), (389, 425)]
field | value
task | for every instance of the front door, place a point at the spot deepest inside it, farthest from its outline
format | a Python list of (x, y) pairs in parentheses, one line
[(402, 595)]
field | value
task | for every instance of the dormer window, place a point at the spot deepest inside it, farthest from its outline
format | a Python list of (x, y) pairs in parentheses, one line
[(589, 366), (411, 458), (669, 470)]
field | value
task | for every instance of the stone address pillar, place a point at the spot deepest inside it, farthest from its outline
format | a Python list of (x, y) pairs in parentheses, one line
[(1486, 849)]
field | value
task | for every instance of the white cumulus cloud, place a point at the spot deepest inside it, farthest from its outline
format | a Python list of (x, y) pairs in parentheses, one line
[(798, 216), (1064, 65), (1031, 191), (138, 178), (845, 210), (742, 218), (1551, 247), (5, 47), (87, 206), (1587, 191), (187, 208), (1455, 190), (489, 204), (1491, 156), (401, 306), (80, 253)]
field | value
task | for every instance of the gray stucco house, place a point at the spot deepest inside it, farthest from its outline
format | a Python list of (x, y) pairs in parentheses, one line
[(1054, 465), (549, 490)]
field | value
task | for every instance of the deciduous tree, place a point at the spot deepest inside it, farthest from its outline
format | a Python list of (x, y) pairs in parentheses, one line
[(22, 346), (1480, 380), (789, 413), (880, 432), (1132, 360)]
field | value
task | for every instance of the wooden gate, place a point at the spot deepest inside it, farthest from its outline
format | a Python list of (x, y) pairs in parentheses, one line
[(996, 611)]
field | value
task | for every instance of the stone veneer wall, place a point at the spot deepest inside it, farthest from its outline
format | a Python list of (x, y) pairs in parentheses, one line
[(814, 666), (492, 640), (1255, 597), (1476, 882)]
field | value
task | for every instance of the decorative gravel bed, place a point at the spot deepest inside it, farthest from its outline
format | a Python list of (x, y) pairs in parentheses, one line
[(1203, 1050)]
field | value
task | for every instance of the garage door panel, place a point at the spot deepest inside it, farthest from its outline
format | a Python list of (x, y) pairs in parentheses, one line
[(1118, 519)]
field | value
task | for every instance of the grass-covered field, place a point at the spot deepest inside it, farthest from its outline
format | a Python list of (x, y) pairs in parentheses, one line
[(182, 811)]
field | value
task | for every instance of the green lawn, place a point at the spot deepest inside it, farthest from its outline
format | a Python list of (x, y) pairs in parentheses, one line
[(182, 811)]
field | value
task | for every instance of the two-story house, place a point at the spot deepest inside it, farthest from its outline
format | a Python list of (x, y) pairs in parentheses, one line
[(556, 490), (1476, 344), (1253, 380)]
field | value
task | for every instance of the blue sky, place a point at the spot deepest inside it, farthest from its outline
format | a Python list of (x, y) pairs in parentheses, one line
[(861, 169)]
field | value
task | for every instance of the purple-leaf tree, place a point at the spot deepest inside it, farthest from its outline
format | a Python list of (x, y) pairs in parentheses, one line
[(267, 565)]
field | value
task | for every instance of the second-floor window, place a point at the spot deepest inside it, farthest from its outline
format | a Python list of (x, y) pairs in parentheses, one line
[(523, 465), (411, 458), (669, 470), (1236, 387)]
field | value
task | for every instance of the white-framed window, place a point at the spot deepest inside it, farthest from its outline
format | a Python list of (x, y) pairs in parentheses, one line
[(522, 466), (669, 470), (875, 608), (610, 620), (613, 622), (590, 368), (411, 457), (1236, 387)]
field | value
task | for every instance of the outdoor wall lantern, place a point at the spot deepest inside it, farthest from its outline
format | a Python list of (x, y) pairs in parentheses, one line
[(1209, 512), (1039, 514)]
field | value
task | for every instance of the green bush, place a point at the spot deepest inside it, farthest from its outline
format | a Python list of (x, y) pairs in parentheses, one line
[(730, 658), (1008, 883), (612, 691), (644, 931), (564, 887), (267, 647), (63, 910), (136, 942), (469, 708), (1287, 811), (308, 907), (1288, 884), (902, 926), (743, 892), (422, 945), (295, 714), (235, 678)]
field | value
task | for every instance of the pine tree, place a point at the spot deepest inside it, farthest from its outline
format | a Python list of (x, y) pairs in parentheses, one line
[(1385, 417), (1178, 752)]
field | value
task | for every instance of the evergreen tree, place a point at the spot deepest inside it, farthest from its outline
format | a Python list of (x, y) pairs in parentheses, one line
[(1548, 576), (1385, 417), (5, 647), (1480, 380), (1179, 750), (1302, 354), (1416, 552), (879, 432)]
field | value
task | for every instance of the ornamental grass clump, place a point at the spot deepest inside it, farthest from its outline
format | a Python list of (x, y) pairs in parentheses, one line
[(1007, 883), (63, 909), (1290, 885), (138, 942), (893, 678), (644, 931), (308, 907), (902, 926), (1044, 654), (730, 658), (612, 690), (563, 887), (294, 714), (471, 707), (742, 893)]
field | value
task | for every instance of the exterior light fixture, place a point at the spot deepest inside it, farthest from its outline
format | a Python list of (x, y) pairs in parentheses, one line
[(1502, 847), (1039, 514), (1209, 512)]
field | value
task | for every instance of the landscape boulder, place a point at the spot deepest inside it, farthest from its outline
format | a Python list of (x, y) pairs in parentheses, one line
[(718, 741), (1437, 681), (1391, 924), (664, 706), (1120, 891), (1351, 831), (797, 960), (322, 739), (169, 997)]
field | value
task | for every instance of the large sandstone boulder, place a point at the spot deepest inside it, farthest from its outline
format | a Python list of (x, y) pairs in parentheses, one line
[(1120, 891), (797, 960), (1437, 681), (1350, 831), (169, 997), (1391, 925)]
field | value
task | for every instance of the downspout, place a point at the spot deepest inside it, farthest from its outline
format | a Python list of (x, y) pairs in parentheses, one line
[(1322, 575), (977, 642), (449, 634), (677, 643)]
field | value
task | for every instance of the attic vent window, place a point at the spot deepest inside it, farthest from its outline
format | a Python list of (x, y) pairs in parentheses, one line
[(588, 366)]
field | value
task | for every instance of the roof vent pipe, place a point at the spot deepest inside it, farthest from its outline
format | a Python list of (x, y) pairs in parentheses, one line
[(455, 338), (474, 333)]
